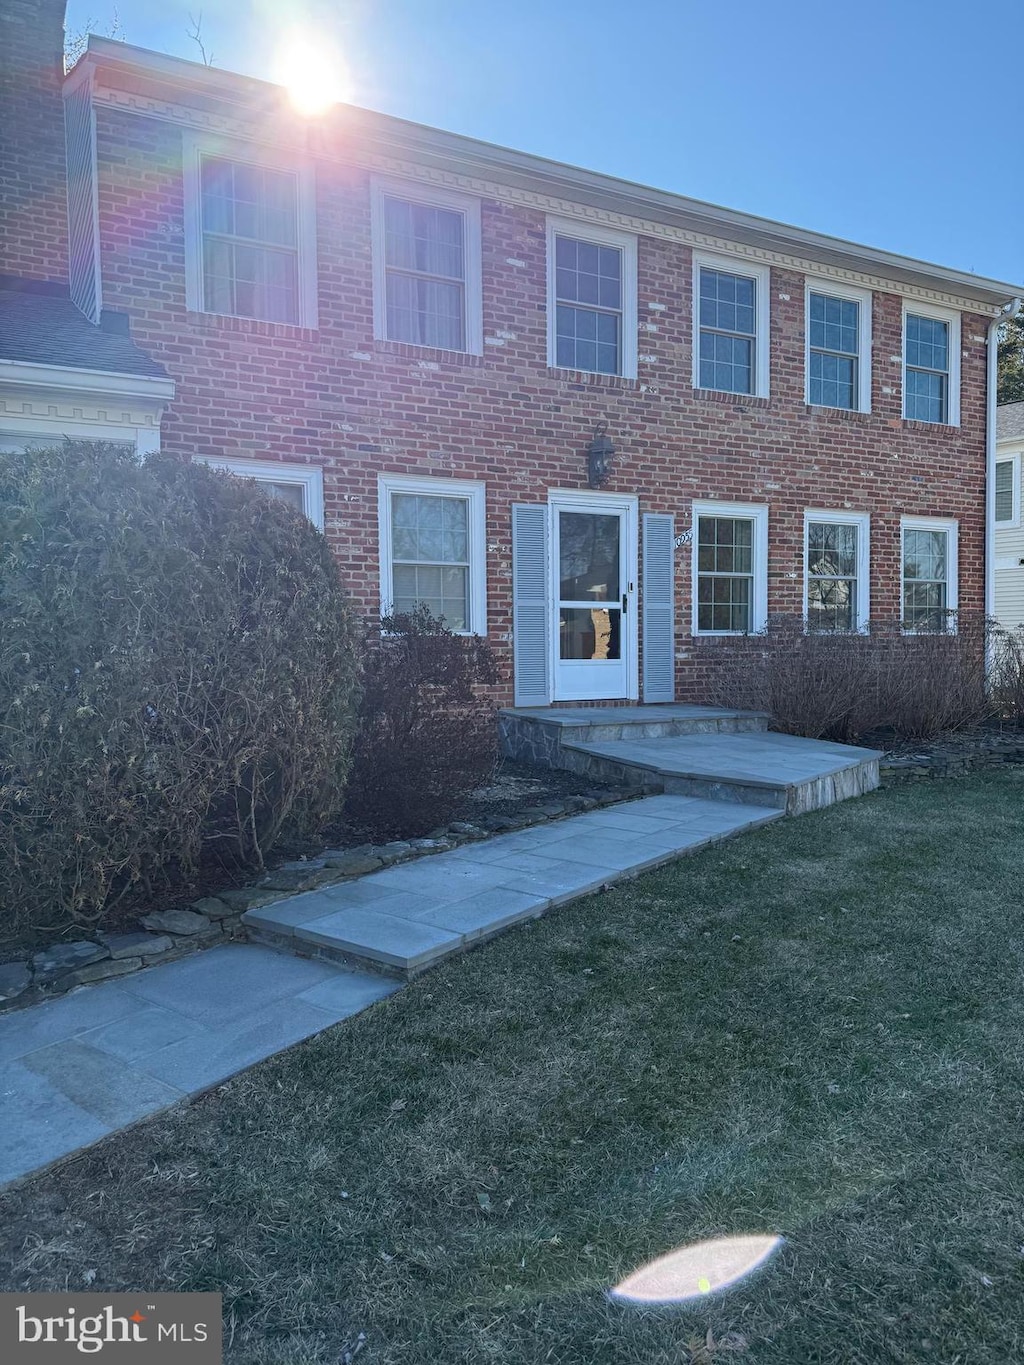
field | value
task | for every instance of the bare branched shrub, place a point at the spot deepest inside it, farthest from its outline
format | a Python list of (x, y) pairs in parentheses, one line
[(177, 675), (840, 686), (427, 733), (1008, 674)]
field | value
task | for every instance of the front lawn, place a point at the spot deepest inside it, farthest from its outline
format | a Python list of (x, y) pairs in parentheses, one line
[(815, 1030)]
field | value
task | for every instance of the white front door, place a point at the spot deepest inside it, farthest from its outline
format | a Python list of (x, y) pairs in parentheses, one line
[(593, 596)]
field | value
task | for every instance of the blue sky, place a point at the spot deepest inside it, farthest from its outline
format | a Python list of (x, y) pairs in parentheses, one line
[(894, 124)]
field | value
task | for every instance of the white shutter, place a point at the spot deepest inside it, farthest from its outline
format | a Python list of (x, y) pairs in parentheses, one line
[(659, 644), (530, 603)]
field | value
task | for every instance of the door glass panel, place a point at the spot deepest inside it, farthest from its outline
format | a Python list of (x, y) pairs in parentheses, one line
[(590, 632), (588, 552)]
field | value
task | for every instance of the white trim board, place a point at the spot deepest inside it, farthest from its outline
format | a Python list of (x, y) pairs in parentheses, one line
[(469, 207), (752, 511), (862, 520), (583, 230), (475, 493), (736, 264), (309, 477), (820, 284), (194, 146)]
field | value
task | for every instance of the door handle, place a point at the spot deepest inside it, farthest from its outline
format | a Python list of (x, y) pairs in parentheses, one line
[(625, 599)]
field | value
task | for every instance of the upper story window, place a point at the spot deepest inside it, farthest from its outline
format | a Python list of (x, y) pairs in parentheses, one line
[(732, 320), (929, 574), (302, 486), (592, 316), (931, 365), (1007, 491), (838, 347), (250, 233), (426, 258), (730, 568)]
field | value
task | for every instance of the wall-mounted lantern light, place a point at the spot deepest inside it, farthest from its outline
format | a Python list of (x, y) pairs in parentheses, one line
[(599, 456)]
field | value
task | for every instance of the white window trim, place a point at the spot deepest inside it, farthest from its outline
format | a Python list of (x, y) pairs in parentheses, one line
[(862, 520), (762, 275), (473, 284), (1014, 458), (476, 494), (815, 284), (949, 315), (952, 527), (626, 242), (197, 145), (310, 477), (753, 511), (146, 440)]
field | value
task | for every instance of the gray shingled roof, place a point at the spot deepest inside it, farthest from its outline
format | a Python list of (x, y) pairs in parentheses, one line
[(1010, 422), (45, 328)]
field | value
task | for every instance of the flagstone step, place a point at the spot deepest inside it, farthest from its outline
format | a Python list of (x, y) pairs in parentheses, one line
[(536, 734), (408, 918), (784, 772)]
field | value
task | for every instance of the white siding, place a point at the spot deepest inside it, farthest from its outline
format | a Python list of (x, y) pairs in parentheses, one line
[(1009, 559)]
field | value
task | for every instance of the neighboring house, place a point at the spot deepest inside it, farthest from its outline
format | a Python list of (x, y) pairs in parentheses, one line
[(432, 344), (1009, 531)]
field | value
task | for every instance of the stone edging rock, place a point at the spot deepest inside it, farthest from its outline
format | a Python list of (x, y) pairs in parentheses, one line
[(168, 934), (951, 760)]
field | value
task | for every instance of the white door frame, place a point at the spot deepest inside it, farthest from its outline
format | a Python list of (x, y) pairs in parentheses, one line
[(589, 500)]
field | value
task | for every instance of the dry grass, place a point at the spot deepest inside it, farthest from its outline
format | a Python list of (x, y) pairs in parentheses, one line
[(816, 1031)]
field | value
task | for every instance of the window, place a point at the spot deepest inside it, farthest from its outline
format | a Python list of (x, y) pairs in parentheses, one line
[(426, 258), (838, 347), (250, 233), (730, 568), (929, 574), (433, 549), (731, 310), (592, 319), (300, 485), (836, 571), (931, 365), (1007, 491)]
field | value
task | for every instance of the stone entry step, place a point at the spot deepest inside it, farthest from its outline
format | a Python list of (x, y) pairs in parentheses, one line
[(408, 918), (785, 772)]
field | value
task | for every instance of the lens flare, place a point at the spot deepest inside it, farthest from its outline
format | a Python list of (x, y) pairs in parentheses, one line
[(313, 72), (695, 1271)]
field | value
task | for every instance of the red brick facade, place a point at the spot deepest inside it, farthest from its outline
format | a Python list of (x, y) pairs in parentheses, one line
[(33, 204), (354, 406)]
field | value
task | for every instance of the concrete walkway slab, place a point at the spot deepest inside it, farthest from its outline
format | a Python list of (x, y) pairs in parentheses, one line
[(76, 1069), (404, 919)]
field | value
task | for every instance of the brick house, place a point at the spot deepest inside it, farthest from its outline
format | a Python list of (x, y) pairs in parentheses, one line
[(605, 425)]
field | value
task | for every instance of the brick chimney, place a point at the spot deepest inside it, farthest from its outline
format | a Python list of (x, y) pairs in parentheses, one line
[(33, 202)]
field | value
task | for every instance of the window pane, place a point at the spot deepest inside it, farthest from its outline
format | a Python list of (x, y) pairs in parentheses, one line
[(587, 273), (590, 633), (443, 591), (424, 238), (833, 323), (926, 396), (831, 548), (587, 340), (724, 603), (831, 576), (425, 312), (924, 554), (726, 363), (727, 301), (1004, 490), (927, 343), (830, 604), (833, 380), (429, 529), (588, 554), (294, 493), (725, 544)]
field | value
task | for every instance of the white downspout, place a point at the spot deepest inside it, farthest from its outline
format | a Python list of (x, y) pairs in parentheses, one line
[(1010, 310)]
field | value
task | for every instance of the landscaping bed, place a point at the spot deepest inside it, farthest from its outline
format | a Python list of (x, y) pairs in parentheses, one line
[(515, 796), (950, 755), (815, 1031)]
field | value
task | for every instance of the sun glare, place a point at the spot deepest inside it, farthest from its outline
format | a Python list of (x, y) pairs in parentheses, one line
[(314, 74)]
